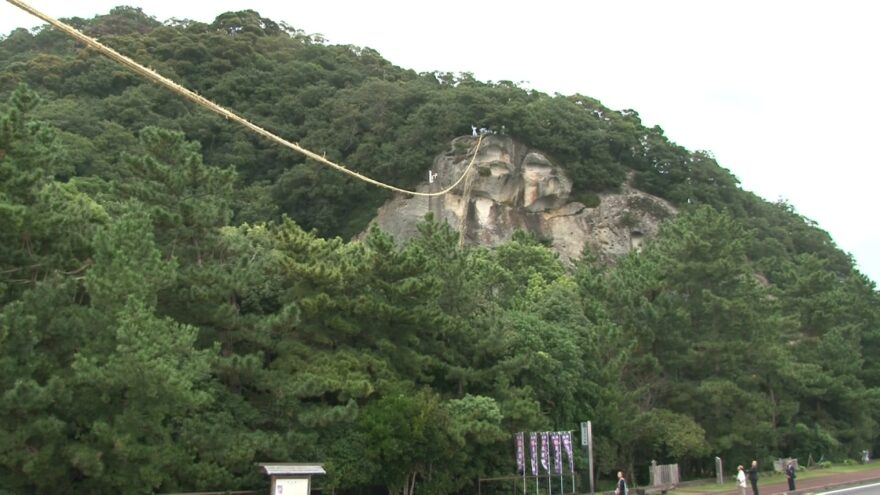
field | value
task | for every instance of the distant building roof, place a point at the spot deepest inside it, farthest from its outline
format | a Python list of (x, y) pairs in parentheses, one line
[(276, 468)]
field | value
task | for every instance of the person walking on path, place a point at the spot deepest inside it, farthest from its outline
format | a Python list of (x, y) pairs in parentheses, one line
[(621, 484), (791, 474), (741, 479), (753, 477)]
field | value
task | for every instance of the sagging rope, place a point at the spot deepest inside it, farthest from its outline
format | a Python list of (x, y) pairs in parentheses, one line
[(228, 114)]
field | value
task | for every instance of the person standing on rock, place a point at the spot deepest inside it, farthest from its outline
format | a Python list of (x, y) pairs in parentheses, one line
[(753, 477), (474, 129), (741, 479), (791, 474)]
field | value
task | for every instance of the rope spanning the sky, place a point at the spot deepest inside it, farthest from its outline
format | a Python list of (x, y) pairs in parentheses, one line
[(226, 113)]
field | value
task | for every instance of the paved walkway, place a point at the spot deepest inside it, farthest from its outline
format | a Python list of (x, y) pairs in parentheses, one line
[(813, 485)]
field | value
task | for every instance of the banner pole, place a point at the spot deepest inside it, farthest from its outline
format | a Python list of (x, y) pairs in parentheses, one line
[(590, 451), (571, 463), (534, 458), (549, 466)]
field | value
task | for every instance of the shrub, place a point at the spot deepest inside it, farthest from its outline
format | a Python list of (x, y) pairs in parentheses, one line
[(461, 145), (649, 206), (629, 220), (590, 200)]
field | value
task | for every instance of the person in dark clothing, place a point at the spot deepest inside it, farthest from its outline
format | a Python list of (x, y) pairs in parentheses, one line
[(753, 477), (791, 474), (621, 484)]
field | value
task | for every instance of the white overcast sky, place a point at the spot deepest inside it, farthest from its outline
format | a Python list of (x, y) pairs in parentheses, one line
[(783, 93)]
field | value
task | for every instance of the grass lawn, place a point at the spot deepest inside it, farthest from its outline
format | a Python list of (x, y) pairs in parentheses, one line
[(769, 479)]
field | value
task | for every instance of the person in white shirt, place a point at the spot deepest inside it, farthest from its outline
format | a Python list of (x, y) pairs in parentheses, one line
[(741, 479)]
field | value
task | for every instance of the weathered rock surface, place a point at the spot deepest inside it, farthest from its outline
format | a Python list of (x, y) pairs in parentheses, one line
[(512, 187)]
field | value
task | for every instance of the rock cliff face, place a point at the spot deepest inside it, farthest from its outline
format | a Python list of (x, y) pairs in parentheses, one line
[(513, 187)]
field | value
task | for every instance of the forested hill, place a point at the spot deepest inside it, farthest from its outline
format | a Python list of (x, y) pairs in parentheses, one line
[(179, 300)]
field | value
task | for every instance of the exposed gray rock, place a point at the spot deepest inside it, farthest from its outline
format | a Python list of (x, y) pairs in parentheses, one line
[(512, 187)]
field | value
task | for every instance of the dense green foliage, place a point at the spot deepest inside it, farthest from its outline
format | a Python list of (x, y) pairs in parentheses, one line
[(168, 316)]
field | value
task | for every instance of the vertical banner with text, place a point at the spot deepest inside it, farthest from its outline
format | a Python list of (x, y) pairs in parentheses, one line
[(557, 453), (520, 453), (545, 451), (569, 450), (533, 444)]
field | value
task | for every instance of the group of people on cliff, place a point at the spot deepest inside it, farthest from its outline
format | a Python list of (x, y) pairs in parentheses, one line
[(485, 130), (790, 474)]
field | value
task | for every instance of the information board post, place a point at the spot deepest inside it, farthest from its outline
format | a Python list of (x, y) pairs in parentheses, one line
[(587, 443), (289, 478)]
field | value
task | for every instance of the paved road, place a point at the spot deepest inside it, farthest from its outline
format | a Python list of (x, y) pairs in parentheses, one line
[(871, 489)]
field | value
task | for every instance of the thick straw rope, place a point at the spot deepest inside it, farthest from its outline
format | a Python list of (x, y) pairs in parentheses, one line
[(200, 100)]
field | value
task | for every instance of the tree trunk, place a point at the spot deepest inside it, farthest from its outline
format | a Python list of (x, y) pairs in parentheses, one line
[(409, 484)]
